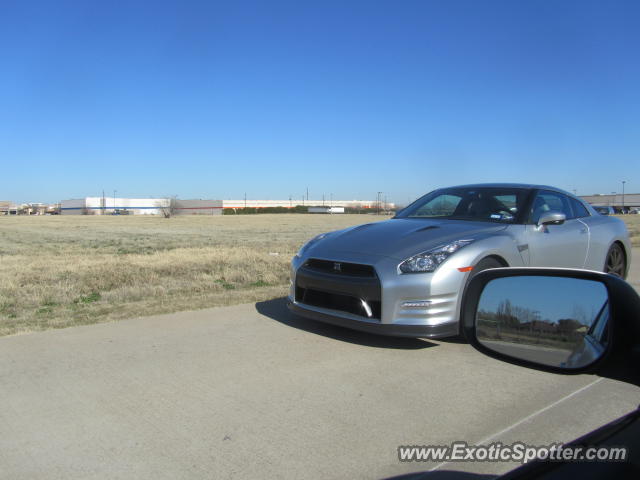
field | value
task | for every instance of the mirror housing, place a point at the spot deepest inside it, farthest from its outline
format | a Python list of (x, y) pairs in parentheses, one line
[(552, 218), (621, 358)]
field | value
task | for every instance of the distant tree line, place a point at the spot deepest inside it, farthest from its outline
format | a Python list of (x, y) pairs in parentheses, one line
[(516, 323), (296, 209)]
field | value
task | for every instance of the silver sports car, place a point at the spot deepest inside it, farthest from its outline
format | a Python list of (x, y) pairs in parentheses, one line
[(405, 276)]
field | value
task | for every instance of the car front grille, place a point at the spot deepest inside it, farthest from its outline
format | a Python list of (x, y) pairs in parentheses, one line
[(336, 301), (341, 268), (352, 288)]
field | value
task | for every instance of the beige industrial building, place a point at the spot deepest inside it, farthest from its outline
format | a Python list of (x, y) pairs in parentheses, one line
[(628, 200), (291, 203)]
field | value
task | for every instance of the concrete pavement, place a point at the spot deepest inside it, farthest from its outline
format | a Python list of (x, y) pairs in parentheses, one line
[(250, 391)]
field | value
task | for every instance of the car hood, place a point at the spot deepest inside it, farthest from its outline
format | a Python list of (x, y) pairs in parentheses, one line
[(400, 238)]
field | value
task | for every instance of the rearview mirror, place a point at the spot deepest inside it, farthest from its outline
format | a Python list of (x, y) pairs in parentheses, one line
[(552, 218), (554, 321)]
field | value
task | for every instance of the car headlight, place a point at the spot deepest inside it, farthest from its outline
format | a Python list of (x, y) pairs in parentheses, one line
[(431, 259), (309, 243)]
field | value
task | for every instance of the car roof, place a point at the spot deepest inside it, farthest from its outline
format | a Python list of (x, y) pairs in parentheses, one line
[(528, 186)]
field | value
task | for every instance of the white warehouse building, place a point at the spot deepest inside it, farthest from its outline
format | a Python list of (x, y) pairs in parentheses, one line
[(111, 205)]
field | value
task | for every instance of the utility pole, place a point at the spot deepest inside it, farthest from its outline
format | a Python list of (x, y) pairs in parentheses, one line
[(378, 199), (323, 199), (307, 194), (104, 204), (330, 200), (290, 202), (245, 199), (114, 201), (623, 182)]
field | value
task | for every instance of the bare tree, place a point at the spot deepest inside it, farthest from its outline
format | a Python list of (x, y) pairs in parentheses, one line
[(167, 209)]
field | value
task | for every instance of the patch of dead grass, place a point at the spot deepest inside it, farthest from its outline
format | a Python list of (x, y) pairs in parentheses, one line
[(76, 270)]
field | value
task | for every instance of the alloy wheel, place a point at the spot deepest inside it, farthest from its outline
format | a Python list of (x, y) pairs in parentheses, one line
[(615, 264)]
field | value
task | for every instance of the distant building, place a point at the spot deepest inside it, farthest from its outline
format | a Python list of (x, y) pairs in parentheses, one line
[(6, 207), (139, 206), (196, 207), (357, 204), (33, 208), (613, 200), (113, 206), (10, 208), (174, 206)]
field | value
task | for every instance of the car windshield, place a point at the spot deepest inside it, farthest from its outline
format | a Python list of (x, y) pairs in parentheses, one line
[(484, 204)]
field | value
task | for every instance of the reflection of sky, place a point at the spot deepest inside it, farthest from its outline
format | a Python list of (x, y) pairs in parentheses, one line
[(554, 297)]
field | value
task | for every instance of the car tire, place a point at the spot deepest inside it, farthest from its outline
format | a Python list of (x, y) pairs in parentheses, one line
[(616, 261), (485, 264)]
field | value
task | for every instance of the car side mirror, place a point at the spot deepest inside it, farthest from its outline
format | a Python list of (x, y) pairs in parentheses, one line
[(552, 218), (560, 320)]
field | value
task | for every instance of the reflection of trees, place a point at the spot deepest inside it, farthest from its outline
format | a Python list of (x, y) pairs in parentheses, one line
[(524, 325), (511, 314)]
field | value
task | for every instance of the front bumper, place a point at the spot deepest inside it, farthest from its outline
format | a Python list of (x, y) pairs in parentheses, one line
[(420, 305), (390, 329)]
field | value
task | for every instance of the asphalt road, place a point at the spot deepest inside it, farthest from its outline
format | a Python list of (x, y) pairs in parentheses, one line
[(251, 392)]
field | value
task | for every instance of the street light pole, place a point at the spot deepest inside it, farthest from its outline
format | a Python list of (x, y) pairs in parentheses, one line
[(623, 182)]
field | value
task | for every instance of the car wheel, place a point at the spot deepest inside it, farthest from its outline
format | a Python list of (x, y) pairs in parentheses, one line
[(485, 264), (616, 263)]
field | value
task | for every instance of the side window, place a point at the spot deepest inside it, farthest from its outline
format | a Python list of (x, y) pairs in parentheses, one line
[(579, 210), (546, 201)]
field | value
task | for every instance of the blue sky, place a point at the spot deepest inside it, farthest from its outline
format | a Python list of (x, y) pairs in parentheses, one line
[(215, 99)]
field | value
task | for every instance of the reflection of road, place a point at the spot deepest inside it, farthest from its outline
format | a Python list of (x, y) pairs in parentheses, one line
[(534, 353)]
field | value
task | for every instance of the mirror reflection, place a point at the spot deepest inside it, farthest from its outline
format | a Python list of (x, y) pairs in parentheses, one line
[(552, 321)]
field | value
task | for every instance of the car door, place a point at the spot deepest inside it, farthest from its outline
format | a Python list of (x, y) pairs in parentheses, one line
[(564, 245)]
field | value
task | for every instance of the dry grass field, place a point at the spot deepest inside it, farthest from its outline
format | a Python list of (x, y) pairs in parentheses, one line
[(633, 224), (57, 271), (72, 270)]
